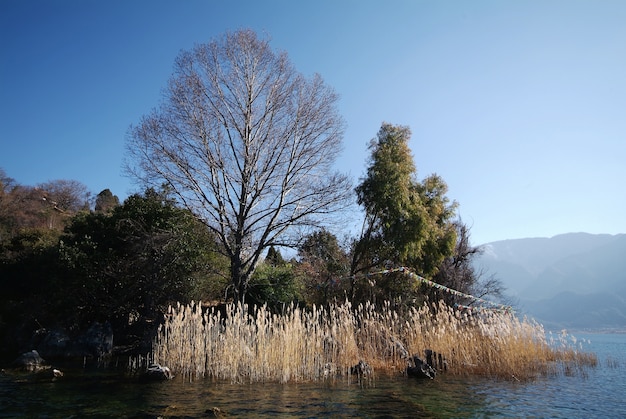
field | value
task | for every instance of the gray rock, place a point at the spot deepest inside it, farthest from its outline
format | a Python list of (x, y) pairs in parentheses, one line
[(158, 373), (96, 342), (30, 361)]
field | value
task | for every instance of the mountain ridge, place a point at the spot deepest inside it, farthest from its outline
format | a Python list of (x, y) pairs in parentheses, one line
[(582, 273)]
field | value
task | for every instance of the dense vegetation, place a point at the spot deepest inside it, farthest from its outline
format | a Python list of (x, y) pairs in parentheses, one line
[(68, 260), (120, 264), (243, 345)]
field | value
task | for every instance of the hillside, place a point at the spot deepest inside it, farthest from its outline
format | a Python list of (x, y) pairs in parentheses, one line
[(574, 281)]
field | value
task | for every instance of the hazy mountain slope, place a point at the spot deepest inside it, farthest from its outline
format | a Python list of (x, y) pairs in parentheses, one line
[(575, 280), (575, 311)]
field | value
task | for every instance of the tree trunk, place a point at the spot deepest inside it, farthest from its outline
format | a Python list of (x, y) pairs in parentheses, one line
[(239, 280)]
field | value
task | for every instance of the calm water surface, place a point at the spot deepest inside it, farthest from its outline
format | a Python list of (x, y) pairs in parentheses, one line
[(597, 392)]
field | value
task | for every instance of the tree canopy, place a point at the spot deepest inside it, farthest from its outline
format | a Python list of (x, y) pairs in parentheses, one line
[(145, 254), (247, 144), (324, 263), (407, 221), (106, 201), (122, 266)]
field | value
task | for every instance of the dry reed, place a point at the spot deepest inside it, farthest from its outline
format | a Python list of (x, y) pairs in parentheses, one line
[(303, 345)]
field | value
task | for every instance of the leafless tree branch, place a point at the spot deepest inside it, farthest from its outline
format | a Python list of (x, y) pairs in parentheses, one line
[(247, 144)]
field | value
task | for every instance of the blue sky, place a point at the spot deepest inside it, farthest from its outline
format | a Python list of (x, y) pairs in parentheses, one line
[(519, 105)]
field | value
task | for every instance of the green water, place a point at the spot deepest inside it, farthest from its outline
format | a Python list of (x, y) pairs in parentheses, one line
[(598, 392), (109, 394)]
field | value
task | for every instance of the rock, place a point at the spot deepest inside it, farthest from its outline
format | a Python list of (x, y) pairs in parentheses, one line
[(362, 369), (51, 343), (31, 361), (158, 373), (56, 373), (95, 343), (216, 412), (420, 369)]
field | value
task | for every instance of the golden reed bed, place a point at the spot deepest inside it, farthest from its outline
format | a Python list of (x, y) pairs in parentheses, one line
[(255, 345)]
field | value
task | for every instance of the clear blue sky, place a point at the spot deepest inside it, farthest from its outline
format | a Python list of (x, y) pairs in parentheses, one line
[(519, 105)]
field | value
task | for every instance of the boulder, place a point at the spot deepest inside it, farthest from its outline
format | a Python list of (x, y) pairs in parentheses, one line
[(30, 361), (420, 369), (52, 343), (96, 342), (157, 372)]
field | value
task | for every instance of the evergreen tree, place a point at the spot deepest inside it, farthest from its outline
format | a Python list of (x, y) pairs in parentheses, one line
[(106, 201), (323, 263), (407, 221), (274, 258), (134, 261)]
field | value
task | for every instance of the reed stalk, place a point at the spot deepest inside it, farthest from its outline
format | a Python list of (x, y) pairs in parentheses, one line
[(256, 345)]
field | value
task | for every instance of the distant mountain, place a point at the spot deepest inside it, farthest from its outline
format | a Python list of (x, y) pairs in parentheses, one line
[(597, 311), (575, 280)]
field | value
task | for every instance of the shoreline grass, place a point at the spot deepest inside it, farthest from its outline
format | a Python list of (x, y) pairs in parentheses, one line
[(255, 345)]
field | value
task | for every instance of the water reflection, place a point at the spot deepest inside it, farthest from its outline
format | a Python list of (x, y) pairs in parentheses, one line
[(111, 393), (386, 397)]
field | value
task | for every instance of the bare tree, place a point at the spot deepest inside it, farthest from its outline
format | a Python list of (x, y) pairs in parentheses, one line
[(66, 195), (247, 144), (459, 272)]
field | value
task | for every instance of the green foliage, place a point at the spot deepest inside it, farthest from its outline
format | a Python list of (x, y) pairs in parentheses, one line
[(274, 286), (131, 263), (29, 241), (323, 265), (28, 262), (63, 266), (122, 265), (407, 222), (106, 201), (274, 257)]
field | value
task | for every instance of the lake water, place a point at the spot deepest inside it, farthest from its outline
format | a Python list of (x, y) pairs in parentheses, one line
[(597, 392)]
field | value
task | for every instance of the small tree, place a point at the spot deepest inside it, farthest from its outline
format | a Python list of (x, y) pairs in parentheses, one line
[(324, 264), (275, 285), (247, 144), (66, 195), (106, 201), (274, 258)]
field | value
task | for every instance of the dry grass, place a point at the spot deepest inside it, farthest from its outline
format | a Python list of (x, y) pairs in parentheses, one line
[(303, 345)]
